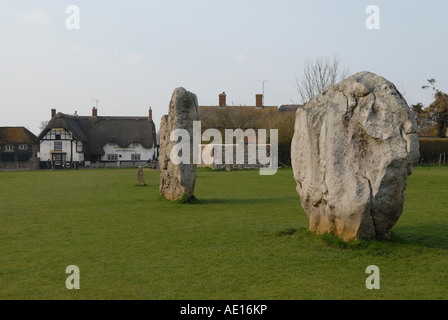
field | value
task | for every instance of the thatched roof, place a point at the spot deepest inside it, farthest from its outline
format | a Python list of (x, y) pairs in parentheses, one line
[(16, 135), (96, 132)]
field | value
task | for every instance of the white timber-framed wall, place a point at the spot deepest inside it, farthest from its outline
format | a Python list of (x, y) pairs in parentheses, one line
[(58, 146)]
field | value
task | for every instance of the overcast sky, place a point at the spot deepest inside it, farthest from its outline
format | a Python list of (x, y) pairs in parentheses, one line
[(133, 54)]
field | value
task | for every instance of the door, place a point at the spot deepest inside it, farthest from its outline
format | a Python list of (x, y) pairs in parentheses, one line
[(58, 160)]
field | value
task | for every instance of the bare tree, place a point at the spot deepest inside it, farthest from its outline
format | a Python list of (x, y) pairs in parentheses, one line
[(318, 75), (43, 125)]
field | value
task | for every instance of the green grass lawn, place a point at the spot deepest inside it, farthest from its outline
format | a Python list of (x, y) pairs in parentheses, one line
[(245, 238)]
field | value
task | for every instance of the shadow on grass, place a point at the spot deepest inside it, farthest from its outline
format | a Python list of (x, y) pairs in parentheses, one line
[(197, 201), (183, 200), (371, 247), (243, 201), (289, 232), (429, 235), (147, 185)]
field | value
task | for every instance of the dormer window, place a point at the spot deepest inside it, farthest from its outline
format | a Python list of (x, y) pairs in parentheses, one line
[(58, 134)]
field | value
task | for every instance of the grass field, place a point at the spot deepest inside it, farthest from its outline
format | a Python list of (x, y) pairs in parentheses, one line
[(245, 238)]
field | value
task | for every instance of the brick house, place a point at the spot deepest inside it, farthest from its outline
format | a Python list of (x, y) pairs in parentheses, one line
[(245, 115), (223, 117), (259, 104), (18, 149)]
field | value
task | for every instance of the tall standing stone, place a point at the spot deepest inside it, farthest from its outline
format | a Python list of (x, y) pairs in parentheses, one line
[(178, 180), (353, 148)]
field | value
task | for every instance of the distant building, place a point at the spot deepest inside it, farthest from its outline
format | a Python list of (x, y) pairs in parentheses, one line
[(259, 104), (223, 117), (83, 140), (18, 149)]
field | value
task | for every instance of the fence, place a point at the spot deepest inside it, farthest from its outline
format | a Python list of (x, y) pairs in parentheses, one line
[(134, 164)]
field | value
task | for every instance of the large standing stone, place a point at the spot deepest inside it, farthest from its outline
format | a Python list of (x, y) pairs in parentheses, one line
[(353, 147), (178, 180)]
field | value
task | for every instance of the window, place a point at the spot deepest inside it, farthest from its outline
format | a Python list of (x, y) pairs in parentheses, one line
[(112, 157), (79, 146), (9, 147), (8, 157), (58, 134), (23, 147), (58, 146), (135, 157), (23, 157)]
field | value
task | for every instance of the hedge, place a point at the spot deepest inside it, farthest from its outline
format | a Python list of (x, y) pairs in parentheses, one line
[(431, 149)]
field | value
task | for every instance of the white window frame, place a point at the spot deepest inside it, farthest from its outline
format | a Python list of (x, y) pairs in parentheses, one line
[(112, 157), (58, 143), (9, 148), (79, 146), (23, 147)]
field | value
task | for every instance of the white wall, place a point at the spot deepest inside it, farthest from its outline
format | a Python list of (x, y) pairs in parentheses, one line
[(126, 153), (46, 146)]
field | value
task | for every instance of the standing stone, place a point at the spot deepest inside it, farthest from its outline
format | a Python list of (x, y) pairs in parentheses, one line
[(178, 180), (353, 147), (140, 177)]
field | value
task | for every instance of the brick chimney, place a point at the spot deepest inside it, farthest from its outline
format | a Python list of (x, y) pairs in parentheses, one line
[(259, 100), (150, 113), (94, 112), (222, 100), (53, 113)]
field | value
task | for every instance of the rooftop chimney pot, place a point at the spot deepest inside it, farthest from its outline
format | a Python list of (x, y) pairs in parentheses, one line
[(259, 100), (222, 100)]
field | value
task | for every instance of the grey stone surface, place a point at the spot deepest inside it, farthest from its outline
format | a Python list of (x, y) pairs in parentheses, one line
[(140, 176), (177, 180), (353, 148)]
